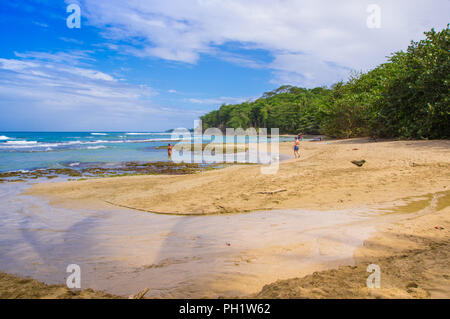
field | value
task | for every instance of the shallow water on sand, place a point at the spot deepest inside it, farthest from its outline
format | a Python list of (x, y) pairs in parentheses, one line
[(124, 251)]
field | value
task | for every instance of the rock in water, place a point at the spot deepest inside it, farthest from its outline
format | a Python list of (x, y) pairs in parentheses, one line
[(359, 163)]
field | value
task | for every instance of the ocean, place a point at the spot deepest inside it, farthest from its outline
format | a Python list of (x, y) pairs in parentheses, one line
[(39, 150)]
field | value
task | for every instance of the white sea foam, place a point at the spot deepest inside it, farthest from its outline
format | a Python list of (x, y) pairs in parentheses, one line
[(96, 147), (99, 134), (3, 137), (35, 144), (48, 146), (21, 142), (85, 142), (147, 133), (160, 140), (74, 164)]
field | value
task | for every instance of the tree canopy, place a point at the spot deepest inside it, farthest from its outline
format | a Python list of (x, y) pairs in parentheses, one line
[(406, 97)]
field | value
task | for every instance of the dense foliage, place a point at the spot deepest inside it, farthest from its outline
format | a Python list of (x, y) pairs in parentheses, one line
[(288, 108), (406, 97)]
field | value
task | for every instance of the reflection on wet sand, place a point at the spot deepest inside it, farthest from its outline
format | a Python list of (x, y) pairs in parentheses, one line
[(124, 251)]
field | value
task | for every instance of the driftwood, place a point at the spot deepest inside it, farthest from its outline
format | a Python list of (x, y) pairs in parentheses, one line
[(273, 192), (141, 294)]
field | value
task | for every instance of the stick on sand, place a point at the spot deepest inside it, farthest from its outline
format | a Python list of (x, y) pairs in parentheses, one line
[(273, 192)]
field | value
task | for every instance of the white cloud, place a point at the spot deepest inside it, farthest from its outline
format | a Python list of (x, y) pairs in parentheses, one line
[(71, 57), (70, 40), (302, 69), (312, 41), (57, 95), (219, 100), (40, 24), (240, 60)]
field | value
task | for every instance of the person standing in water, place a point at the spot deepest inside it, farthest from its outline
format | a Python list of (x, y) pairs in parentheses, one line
[(169, 150), (297, 148)]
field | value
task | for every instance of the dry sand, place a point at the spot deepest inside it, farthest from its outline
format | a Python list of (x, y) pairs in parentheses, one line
[(13, 287), (413, 255)]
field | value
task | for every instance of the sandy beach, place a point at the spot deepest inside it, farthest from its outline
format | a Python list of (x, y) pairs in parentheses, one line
[(324, 178), (393, 211), (210, 155)]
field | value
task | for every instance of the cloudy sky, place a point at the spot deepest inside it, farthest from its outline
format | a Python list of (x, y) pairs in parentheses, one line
[(154, 65)]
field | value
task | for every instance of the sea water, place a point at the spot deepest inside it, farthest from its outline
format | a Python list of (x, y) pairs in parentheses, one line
[(34, 150)]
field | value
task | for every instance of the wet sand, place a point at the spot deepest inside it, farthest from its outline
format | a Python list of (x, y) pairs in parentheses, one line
[(413, 256), (124, 251), (411, 246)]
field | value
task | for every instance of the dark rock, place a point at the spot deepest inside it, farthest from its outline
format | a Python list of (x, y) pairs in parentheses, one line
[(359, 163)]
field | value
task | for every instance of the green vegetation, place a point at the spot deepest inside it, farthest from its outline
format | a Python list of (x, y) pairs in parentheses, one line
[(289, 108), (407, 97)]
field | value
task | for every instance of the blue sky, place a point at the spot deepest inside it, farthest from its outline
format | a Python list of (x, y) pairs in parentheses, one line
[(155, 65)]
